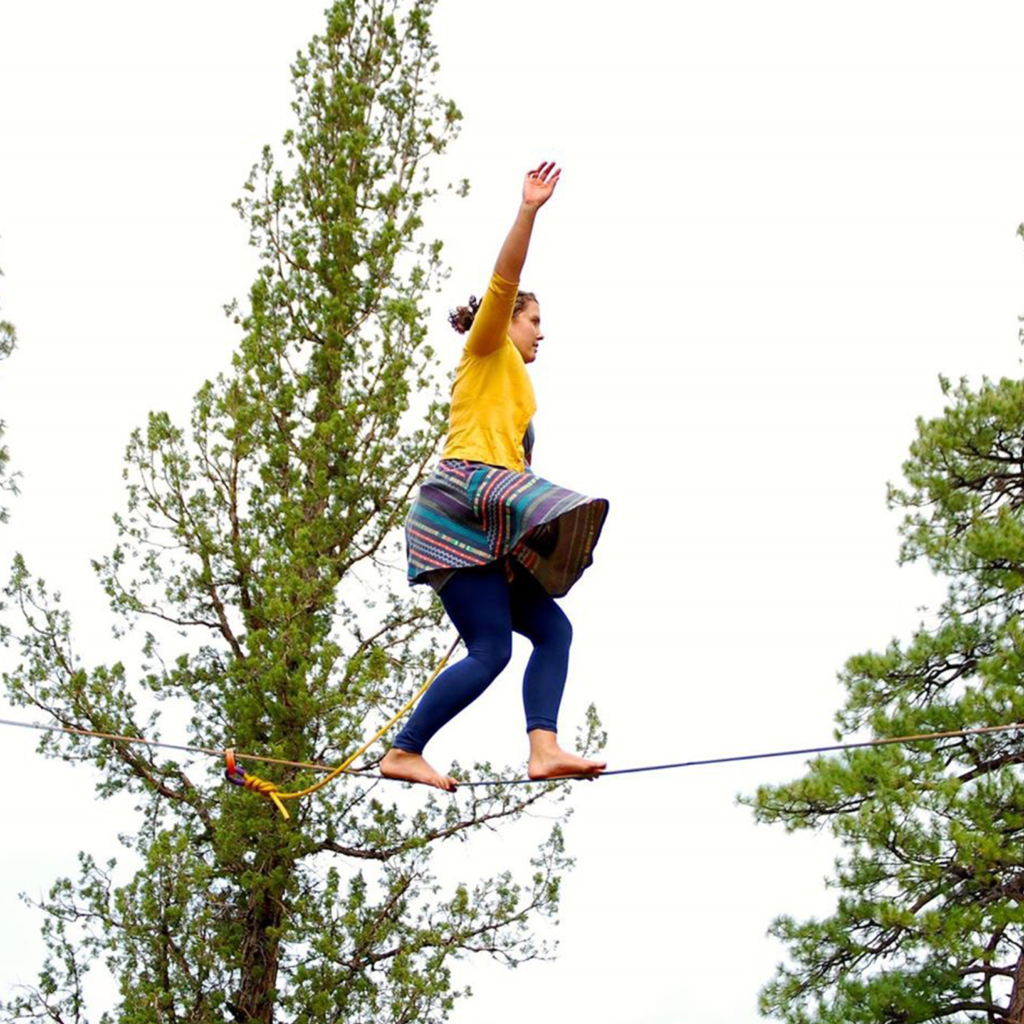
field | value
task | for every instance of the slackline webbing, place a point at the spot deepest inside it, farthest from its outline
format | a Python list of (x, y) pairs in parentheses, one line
[(731, 758), (240, 777)]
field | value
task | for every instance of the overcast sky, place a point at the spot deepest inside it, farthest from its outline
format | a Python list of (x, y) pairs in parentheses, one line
[(778, 224)]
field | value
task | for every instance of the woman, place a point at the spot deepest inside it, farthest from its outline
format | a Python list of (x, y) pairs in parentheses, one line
[(495, 541)]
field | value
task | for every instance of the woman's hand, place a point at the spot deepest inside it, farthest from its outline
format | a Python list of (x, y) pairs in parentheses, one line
[(540, 184)]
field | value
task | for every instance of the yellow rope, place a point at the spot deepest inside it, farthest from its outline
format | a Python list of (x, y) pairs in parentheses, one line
[(268, 789)]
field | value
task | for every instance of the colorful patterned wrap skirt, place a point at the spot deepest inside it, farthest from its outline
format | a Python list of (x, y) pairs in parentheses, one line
[(470, 514)]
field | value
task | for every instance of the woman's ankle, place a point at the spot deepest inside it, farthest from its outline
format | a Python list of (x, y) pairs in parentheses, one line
[(542, 740)]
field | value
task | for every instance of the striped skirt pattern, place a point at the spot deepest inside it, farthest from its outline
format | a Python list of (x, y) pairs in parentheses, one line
[(469, 514)]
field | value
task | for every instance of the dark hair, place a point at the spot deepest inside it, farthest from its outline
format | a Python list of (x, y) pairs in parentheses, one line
[(462, 317)]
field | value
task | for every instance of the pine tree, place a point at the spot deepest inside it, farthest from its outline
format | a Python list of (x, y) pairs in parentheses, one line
[(257, 542), (929, 922), (8, 482)]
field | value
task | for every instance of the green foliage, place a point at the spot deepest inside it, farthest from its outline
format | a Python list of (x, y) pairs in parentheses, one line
[(8, 341), (929, 923), (256, 544)]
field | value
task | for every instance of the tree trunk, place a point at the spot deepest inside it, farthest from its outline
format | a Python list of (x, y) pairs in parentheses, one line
[(255, 1001), (1015, 1010)]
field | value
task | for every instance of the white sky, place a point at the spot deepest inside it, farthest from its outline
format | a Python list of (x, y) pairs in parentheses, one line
[(777, 225)]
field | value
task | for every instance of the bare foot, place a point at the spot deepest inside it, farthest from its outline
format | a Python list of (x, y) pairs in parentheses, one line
[(401, 764), (549, 761)]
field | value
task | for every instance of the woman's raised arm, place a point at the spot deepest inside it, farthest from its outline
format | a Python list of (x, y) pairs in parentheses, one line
[(490, 326), (538, 187)]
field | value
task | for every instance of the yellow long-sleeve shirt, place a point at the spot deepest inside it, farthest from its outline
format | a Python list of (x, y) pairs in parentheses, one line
[(492, 398)]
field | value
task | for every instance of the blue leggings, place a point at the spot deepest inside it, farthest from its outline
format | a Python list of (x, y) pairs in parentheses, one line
[(486, 609)]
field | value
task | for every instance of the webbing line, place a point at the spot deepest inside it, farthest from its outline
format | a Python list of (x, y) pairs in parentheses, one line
[(830, 748), (211, 751)]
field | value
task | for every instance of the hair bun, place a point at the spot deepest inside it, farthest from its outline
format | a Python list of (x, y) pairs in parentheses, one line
[(462, 317)]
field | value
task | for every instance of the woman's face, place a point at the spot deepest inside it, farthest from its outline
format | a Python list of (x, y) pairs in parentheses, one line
[(525, 331)]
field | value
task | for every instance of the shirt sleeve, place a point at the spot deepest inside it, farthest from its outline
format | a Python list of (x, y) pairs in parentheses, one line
[(491, 323)]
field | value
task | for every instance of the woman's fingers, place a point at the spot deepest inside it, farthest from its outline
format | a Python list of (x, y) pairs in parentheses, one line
[(546, 172)]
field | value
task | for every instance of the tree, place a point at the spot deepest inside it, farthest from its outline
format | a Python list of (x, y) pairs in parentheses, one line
[(8, 341), (256, 544), (929, 922)]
